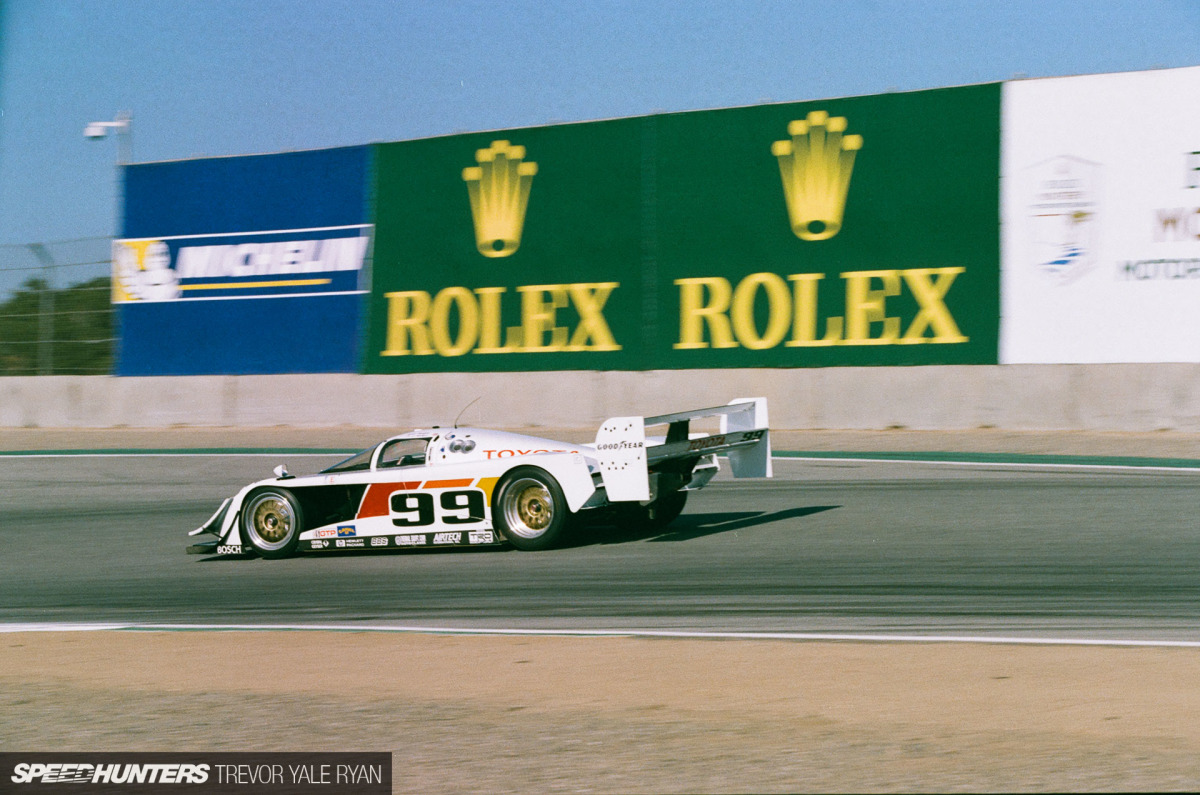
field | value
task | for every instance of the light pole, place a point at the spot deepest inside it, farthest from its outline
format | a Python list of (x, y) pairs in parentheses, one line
[(122, 125)]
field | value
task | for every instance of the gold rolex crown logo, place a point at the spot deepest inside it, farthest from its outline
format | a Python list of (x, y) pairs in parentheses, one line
[(815, 164), (499, 191)]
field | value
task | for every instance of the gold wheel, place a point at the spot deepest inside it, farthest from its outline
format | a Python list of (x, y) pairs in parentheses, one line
[(530, 510), (271, 521)]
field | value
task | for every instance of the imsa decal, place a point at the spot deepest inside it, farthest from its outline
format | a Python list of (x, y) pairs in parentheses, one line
[(408, 541)]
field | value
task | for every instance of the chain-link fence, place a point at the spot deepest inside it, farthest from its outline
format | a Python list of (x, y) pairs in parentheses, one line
[(56, 314)]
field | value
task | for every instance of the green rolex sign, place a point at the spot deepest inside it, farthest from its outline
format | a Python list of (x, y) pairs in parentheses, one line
[(510, 251), (860, 231)]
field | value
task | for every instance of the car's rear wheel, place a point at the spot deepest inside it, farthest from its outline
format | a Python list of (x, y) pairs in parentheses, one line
[(529, 509), (666, 508), (655, 516), (271, 522)]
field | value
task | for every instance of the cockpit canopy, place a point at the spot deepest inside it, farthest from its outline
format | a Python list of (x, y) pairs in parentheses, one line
[(399, 452)]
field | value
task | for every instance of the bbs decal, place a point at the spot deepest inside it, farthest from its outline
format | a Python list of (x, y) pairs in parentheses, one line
[(419, 509)]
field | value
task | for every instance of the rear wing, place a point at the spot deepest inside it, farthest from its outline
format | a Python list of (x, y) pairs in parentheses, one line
[(625, 459)]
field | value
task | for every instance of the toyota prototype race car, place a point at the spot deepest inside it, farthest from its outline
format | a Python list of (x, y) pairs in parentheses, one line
[(470, 486)]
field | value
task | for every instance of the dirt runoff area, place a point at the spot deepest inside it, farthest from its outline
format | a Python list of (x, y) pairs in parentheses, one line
[(620, 714)]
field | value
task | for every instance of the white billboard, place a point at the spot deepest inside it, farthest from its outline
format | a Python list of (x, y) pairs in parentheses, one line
[(1100, 206)]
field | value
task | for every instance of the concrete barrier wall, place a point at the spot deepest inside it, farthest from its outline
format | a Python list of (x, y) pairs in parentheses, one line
[(1111, 397)]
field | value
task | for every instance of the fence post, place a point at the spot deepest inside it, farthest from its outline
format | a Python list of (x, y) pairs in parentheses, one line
[(45, 347)]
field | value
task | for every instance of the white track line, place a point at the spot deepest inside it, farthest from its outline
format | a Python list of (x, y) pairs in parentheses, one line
[(1003, 464), (600, 633)]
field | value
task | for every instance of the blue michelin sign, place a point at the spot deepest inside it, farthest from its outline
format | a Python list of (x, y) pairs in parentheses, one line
[(241, 265), (244, 265)]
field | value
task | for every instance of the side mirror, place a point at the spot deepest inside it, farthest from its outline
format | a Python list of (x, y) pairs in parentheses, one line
[(281, 472)]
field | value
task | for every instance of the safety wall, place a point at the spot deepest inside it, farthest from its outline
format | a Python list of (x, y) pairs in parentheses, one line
[(1050, 221), (1101, 198), (1084, 397), (244, 265), (858, 231)]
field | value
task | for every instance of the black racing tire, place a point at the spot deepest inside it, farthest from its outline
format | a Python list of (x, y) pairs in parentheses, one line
[(529, 509), (655, 516), (271, 522), (666, 508)]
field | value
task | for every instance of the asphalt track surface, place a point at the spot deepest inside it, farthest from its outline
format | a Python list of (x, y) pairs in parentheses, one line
[(896, 548)]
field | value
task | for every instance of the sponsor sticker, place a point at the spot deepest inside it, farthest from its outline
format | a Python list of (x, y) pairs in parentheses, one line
[(514, 453), (481, 537), (229, 549), (410, 541), (239, 264), (447, 538), (379, 541), (705, 443), (345, 530)]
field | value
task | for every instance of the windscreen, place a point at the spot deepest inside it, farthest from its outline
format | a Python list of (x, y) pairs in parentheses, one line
[(355, 463)]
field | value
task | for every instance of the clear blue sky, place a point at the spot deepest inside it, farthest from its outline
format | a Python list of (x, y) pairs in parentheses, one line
[(227, 77)]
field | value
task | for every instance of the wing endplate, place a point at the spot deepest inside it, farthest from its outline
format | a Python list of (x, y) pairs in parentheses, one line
[(752, 461), (621, 453)]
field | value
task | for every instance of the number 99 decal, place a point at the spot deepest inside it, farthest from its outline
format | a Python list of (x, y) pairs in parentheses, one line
[(417, 508)]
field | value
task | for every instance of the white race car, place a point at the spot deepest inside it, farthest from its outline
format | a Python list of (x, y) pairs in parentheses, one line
[(467, 486)]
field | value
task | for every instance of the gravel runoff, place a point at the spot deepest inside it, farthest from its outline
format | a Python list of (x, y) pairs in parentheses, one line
[(569, 714)]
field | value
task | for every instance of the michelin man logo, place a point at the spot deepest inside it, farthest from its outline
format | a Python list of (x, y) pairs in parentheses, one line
[(142, 272)]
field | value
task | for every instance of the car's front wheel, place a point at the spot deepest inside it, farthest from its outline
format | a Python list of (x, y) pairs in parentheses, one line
[(271, 522), (529, 509)]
